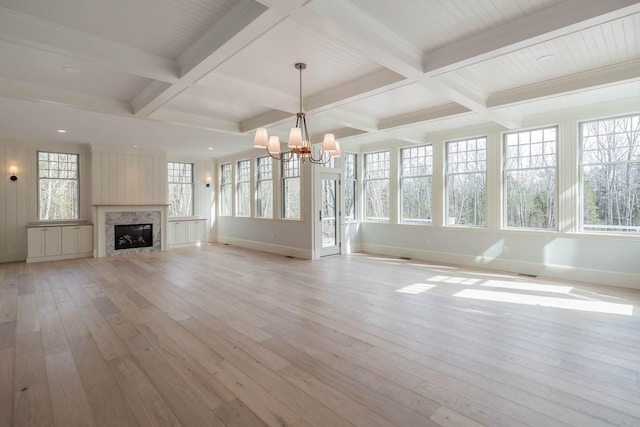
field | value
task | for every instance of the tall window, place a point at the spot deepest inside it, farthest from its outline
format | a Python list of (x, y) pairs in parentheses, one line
[(415, 182), (226, 194), (291, 189), (611, 174), (466, 182), (530, 178), (180, 180), (350, 177), (264, 187), (243, 188), (376, 186), (57, 186)]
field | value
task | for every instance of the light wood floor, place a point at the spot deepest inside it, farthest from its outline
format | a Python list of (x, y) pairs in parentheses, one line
[(219, 336)]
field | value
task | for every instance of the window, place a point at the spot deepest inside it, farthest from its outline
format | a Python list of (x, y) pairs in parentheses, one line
[(350, 177), (57, 186), (264, 187), (530, 178), (291, 189), (415, 183), (226, 197), (376, 186), (466, 182), (243, 188), (611, 174), (180, 189)]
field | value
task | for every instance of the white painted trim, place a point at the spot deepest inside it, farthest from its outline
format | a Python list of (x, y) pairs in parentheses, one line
[(603, 277), (267, 247)]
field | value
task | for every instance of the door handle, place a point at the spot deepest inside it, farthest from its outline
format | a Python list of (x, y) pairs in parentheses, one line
[(320, 214)]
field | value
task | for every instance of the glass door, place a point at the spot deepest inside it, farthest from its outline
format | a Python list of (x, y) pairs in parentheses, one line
[(328, 221)]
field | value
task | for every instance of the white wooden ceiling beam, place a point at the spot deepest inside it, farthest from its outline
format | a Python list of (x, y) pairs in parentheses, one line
[(54, 96), (565, 18), (416, 117), (614, 74), (38, 34)]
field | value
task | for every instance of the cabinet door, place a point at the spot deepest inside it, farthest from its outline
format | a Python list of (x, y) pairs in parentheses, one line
[(35, 242), (85, 239), (178, 234), (52, 241), (69, 240), (192, 231)]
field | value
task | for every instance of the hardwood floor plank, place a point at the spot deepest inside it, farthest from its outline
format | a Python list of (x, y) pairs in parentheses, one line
[(108, 405), (27, 320), (184, 402), (6, 386), (148, 406), (32, 402), (68, 399), (236, 414)]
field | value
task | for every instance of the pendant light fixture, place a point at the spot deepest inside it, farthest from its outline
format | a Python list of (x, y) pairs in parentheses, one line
[(299, 143)]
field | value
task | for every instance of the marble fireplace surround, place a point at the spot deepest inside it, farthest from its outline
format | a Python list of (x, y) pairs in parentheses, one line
[(107, 216)]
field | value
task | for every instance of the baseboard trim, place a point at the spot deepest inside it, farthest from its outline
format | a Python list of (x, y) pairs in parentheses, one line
[(601, 277), (267, 247)]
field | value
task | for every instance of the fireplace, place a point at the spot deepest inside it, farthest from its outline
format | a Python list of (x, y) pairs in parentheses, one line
[(129, 236)]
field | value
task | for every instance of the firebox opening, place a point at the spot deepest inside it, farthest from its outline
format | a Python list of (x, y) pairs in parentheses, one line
[(128, 236)]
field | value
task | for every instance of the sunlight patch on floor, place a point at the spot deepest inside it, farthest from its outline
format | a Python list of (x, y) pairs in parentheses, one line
[(416, 288), (528, 286), (543, 301), (453, 279)]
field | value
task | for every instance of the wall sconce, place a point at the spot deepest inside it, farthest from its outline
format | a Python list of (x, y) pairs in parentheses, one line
[(13, 170), (207, 181)]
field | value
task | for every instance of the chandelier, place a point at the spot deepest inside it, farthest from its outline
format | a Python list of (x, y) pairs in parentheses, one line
[(299, 143)]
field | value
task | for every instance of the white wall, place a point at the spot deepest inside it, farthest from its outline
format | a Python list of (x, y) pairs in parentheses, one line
[(18, 199)]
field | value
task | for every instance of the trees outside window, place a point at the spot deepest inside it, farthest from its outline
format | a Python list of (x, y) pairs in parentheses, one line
[(264, 187), (350, 177), (610, 170), (180, 188), (466, 182), (58, 185), (291, 189), (530, 178), (243, 188), (376, 186), (226, 194), (415, 183)]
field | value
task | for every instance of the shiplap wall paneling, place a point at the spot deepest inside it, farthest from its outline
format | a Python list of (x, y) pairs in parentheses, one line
[(126, 178), (14, 202)]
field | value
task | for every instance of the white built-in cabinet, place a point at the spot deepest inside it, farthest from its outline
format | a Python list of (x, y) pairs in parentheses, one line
[(59, 242), (186, 232)]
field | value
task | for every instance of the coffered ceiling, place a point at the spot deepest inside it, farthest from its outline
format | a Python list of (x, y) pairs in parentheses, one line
[(198, 76)]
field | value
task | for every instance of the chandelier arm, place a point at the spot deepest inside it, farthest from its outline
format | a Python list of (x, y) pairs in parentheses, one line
[(280, 156)]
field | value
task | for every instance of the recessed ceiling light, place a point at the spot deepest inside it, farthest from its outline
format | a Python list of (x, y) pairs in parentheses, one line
[(71, 70), (135, 146), (545, 57), (210, 148), (62, 131)]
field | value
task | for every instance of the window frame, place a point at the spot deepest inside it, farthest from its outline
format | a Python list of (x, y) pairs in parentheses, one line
[(506, 170), (243, 188), (264, 175), (366, 180), (189, 183), (226, 206), (351, 182), (76, 204), (286, 179), (467, 172), (608, 229), (404, 176)]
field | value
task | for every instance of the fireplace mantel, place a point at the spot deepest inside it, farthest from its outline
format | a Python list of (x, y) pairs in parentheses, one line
[(104, 230)]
